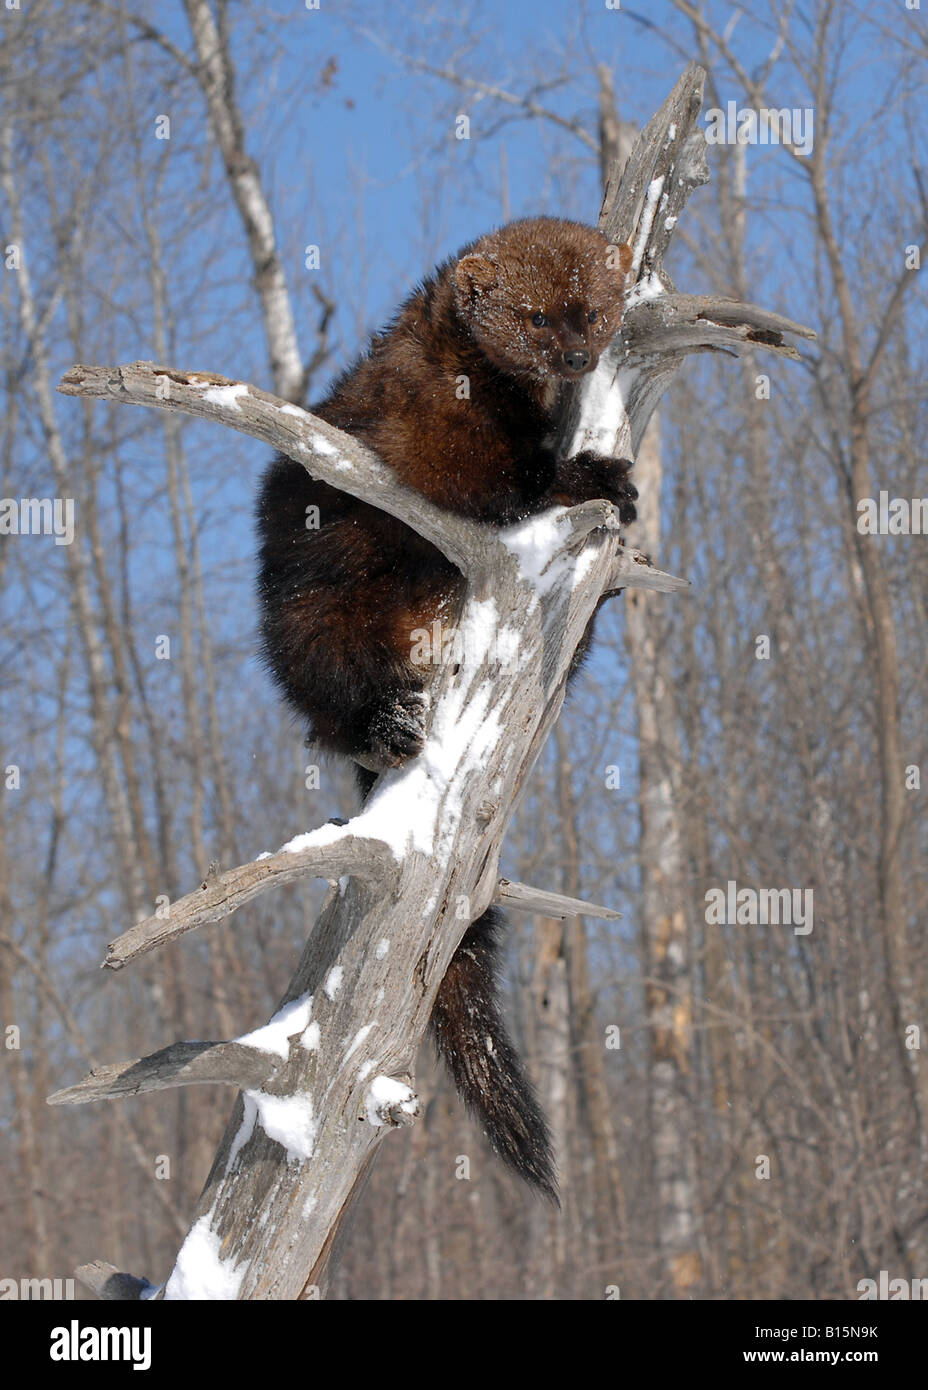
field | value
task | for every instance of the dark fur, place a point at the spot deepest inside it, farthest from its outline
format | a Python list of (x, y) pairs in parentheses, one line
[(340, 603), (472, 1040)]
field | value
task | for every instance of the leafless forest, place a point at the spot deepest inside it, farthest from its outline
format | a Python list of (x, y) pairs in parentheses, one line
[(740, 1106)]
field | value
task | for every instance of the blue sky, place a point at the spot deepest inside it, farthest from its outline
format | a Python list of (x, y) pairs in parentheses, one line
[(367, 167), (357, 168)]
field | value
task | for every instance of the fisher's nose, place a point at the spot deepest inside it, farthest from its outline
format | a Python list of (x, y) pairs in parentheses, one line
[(577, 359)]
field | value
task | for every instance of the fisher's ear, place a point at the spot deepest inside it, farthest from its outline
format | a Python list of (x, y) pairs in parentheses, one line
[(475, 273)]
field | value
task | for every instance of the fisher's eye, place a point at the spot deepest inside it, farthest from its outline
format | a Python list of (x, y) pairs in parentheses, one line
[(592, 316), (540, 320)]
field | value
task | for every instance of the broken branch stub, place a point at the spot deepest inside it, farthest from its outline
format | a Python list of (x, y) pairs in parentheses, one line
[(609, 410)]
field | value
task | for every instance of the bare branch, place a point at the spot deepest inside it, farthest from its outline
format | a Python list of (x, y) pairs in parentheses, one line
[(327, 453), (147, 31), (632, 569), (180, 1064), (526, 104), (337, 853), (699, 323), (887, 323), (108, 1283), (525, 899)]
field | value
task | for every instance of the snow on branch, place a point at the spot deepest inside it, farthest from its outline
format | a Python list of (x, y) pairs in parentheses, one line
[(325, 853), (222, 894), (328, 454), (180, 1064)]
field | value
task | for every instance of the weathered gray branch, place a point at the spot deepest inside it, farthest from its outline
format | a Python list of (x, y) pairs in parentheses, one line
[(382, 944), (181, 1064), (221, 894), (246, 1064), (525, 899), (327, 453), (675, 322), (108, 1283)]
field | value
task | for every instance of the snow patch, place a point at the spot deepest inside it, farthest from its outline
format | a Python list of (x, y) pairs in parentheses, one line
[(275, 1036), (648, 287), (585, 562), (323, 446), (289, 1120), (327, 834), (333, 981), (465, 730), (603, 413), (245, 1130), (655, 188), (200, 1272), (534, 541), (508, 642), (386, 1093), (405, 809), (538, 542), (226, 395)]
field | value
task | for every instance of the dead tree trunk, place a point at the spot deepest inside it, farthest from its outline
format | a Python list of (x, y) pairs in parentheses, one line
[(332, 1071)]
